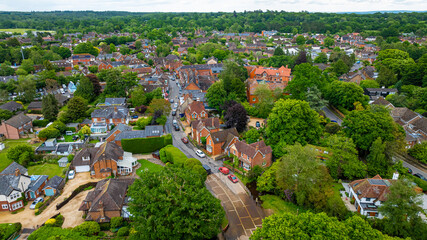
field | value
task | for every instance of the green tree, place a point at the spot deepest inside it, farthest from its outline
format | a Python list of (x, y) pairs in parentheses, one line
[(233, 77), (49, 132), (419, 151), (159, 105), (50, 108), (300, 40), (5, 114), (368, 83), (321, 58), (339, 67), (6, 69), (252, 135), (345, 94), (305, 76), (216, 95), (63, 52), (86, 47), (85, 131), (21, 154), (378, 163), (386, 77), (119, 84), (163, 206), (278, 51), (76, 109), (328, 42), (138, 97), (292, 121), (85, 89), (143, 122), (265, 100), (314, 98), (27, 86), (27, 65)]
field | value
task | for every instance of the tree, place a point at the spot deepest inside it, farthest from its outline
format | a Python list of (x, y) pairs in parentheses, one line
[(76, 109), (236, 116), (368, 83), (160, 105), (252, 135), (27, 65), (163, 206), (419, 151), (402, 204), (138, 97), (124, 50), (305, 76), (143, 122), (301, 58), (85, 89), (314, 98), (112, 48), (386, 77), (378, 163), (300, 40), (233, 77), (50, 108), (278, 52), (95, 82), (216, 95), (63, 52), (328, 42), (6, 69), (5, 114), (51, 85), (49, 132), (27, 86), (138, 44), (292, 121), (85, 131), (118, 85), (265, 100), (86, 47), (339, 67), (21, 154), (345, 94), (344, 162), (321, 58), (332, 128)]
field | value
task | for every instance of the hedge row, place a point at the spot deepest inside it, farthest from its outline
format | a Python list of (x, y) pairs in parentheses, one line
[(171, 154), (40, 123), (146, 145)]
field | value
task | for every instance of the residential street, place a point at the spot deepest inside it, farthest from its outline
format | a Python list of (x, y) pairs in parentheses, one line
[(331, 115)]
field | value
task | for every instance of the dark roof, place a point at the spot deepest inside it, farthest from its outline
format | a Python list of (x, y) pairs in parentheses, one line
[(61, 98), (11, 106), (202, 66), (130, 135), (381, 89), (10, 170), (120, 127), (115, 101), (8, 183), (63, 147), (381, 101), (221, 136), (111, 112), (154, 130), (35, 185), (35, 105), (107, 151), (54, 182), (18, 120), (420, 124), (87, 121)]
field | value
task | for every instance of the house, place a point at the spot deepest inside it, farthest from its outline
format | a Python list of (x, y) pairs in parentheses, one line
[(220, 141), (369, 193), (107, 200), (122, 131), (116, 130), (11, 106), (113, 102), (16, 127), (35, 189), (64, 149), (251, 155), (14, 181), (103, 119), (374, 93), (53, 186), (203, 127), (48, 146), (381, 101), (35, 106), (195, 111), (109, 159), (82, 58)]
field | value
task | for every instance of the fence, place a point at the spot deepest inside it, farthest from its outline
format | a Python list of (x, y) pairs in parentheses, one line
[(74, 193)]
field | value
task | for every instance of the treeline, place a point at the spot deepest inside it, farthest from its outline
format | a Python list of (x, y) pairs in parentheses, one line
[(387, 24)]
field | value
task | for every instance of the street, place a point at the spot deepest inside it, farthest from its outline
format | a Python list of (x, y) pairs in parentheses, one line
[(331, 115)]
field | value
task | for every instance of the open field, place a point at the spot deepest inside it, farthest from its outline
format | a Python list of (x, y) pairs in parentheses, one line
[(22, 30)]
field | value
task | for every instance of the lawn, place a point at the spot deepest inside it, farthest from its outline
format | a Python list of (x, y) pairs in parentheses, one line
[(278, 205), (4, 161), (46, 169), (145, 164), (94, 141)]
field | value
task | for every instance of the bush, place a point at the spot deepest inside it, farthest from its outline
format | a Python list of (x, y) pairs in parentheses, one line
[(21, 154), (40, 123), (332, 128), (7, 229), (146, 145), (88, 228), (200, 170), (419, 151), (104, 226), (49, 132), (116, 222), (124, 231), (254, 173), (59, 220), (143, 122), (60, 126), (50, 222), (191, 162)]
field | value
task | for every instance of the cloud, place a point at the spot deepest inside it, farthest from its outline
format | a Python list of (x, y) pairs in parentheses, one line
[(213, 6)]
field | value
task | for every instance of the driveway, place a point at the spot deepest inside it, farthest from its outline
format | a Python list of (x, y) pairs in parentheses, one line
[(244, 216), (70, 211)]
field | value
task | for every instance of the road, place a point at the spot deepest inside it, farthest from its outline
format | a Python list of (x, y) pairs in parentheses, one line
[(331, 115)]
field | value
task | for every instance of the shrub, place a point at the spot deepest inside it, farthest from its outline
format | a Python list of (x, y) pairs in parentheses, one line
[(88, 228), (143, 122), (191, 162), (60, 126), (200, 170), (59, 220), (116, 222), (38, 205), (104, 226), (49, 132), (50, 222), (419, 151), (146, 145), (124, 231), (254, 173), (40, 123), (332, 128), (21, 154), (7, 229)]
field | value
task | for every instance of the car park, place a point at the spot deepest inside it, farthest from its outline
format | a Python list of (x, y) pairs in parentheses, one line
[(224, 170), (184, 140), (37, 200), (418, 175), (200, 153), (71, 174), (233, 178)]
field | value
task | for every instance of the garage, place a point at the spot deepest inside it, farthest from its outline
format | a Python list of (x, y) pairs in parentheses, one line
[(84, 168)]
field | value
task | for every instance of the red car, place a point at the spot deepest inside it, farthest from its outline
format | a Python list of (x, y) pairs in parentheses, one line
[(233, 178), (184, 140), (224, 170)]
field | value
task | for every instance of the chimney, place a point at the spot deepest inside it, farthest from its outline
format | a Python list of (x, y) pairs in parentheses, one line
[(115, 109), (17, 172), (101, 209)]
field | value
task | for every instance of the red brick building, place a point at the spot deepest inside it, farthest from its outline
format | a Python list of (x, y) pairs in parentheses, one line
[(251, 155), (195, 111), (220, 141), (203, 127), (16, 127)]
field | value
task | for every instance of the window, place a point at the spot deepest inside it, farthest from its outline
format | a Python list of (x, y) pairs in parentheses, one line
[(5, 206), (264, 163), (254, 99), (17, 205), (368, 199)]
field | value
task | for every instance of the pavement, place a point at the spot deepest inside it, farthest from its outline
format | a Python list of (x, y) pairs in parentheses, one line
[(331, 115)]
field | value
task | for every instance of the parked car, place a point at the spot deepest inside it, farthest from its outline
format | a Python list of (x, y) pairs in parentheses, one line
[(418, 175), (184, 140), (207, 168), (175, 105), (224, 170), (200, 153), (233, 178), (176, 127), (71, 174), (135, 116), (33, 205), (409, 171), (174, 122), (173, 113), (62, 90), (257, 124), (171, 100)]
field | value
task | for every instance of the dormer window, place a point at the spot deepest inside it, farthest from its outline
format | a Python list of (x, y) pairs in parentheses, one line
[(87, 158)]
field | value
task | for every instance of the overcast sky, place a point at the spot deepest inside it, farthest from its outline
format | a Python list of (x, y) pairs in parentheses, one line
[(213, 6)]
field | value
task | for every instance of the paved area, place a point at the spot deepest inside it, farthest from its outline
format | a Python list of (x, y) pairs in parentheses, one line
[(331, 115), (243, 214)]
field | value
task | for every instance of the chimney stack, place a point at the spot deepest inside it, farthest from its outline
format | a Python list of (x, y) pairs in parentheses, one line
[(101, 209), (257, 146), (17, 172)]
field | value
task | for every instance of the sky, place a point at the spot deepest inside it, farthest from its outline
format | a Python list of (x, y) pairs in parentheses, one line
[(214, 6)]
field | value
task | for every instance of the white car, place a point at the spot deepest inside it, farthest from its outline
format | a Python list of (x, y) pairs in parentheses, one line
[(33, 205), (200, 153), (71, 174)]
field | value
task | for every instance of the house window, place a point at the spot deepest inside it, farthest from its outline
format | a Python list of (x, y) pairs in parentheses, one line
[(254, 99), (368, 199), (17, 205), (4, 206), (264, 163)]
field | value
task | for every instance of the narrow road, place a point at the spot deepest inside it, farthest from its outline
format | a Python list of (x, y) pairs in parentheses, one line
[(331, 115)]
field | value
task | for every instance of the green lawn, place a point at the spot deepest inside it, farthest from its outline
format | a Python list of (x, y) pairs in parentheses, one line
[(4, 161), (145, 164), (278, 205), (46, 169), (94, 141)]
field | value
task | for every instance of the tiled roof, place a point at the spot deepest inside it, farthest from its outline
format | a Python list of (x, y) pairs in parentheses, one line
[(54, 182), (107, 151), (375, 187), (120, 127), (420, 124), (209, 123), (111, 112), (282, 71), (10, 170), (251, 149), (35, 105), (221, 136), (381, 101), (11, 106), (196, 107), (403, 113), (35, 185)]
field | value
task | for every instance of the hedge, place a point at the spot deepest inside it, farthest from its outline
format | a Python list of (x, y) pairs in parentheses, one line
[(146, 145), (173, 155), (40, 123)]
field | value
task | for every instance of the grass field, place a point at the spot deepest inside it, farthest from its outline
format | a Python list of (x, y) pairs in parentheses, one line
[(22, 30), (46, 169), (147, 165), (278, 205), (4, 161)]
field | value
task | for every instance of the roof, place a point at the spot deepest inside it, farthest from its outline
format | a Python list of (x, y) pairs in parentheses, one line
[(54, 182), (11, 106), (120, 127), (35, 185), (130, 135), (10, 170), (196, 107), (8, 183), (209, 123), (115, 101), (381, 101), (154, 130), (403, 113), (280, 72), (116, 112), (221, 136), (107, 151), (381, 89), (35, 105), (252, 149), (375, 187), (420, 124), (63, 147)]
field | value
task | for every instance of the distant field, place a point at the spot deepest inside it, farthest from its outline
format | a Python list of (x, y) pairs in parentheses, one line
[(22, 30)]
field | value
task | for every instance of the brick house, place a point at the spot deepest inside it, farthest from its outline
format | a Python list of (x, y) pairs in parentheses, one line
[(16, 127), (82, 58), (250, 155), (106, 160), (14, 181), (220, 141), (107, 200), (103, 119), (195, 111), (203, 127)]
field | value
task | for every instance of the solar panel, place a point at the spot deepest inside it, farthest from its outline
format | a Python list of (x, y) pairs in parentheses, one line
[(377, 182)]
